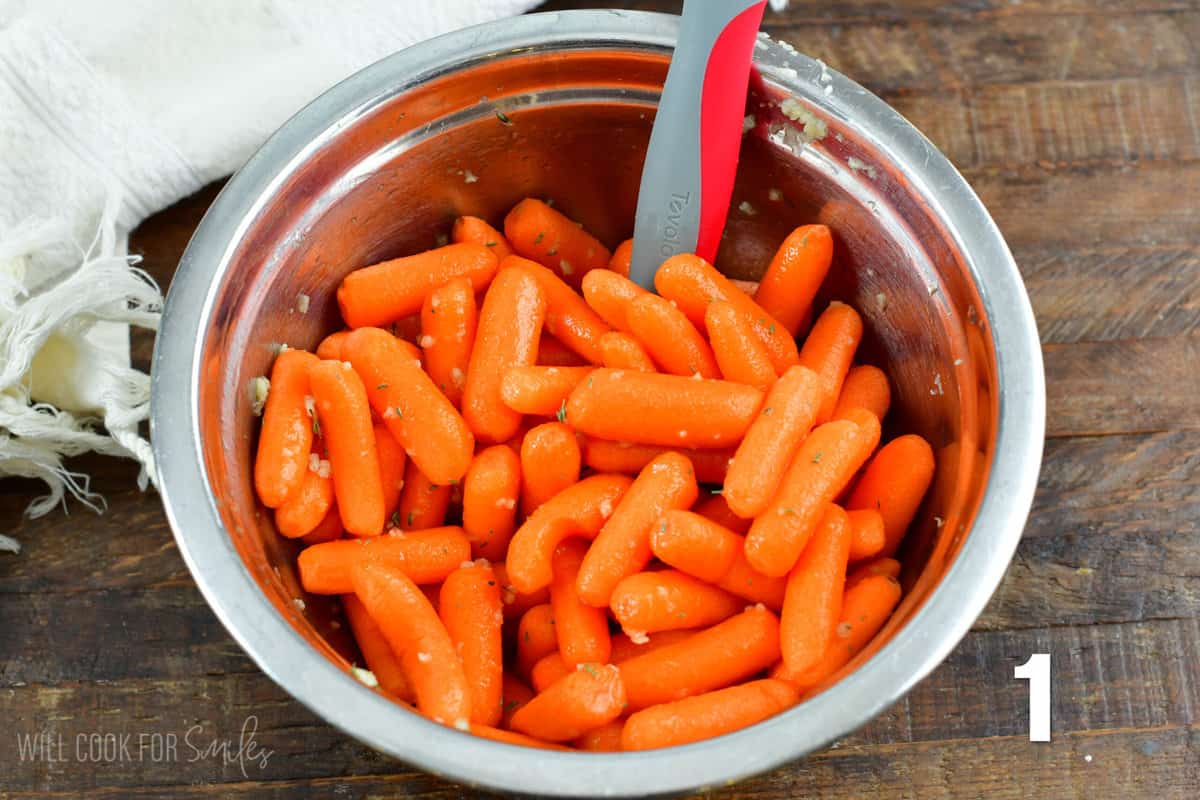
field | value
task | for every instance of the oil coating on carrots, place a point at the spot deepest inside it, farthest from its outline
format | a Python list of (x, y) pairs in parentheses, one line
[(538, 232), (795, 274), (609, 294), (285, 440), (568, 318), (672, 341), (469, 607), (740, 354), (448, 319)]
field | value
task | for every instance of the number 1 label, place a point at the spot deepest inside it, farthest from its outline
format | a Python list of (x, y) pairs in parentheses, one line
[(1037, 671)]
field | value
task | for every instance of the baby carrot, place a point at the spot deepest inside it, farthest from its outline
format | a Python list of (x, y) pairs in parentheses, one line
[(625, 648), (553, 353), (285, 440), (693, 544), (813, 602), (509, 737), (418, 637), (820, 470), (579, 510), (448, 319), (391, 467), (385, 292), (305, 510), (828, 351), (589, 697), (865, 608), (670, 338), (713, 658), (715, 508), (865, 387), (423, 503), (667, 600), (517, 603), (540, 390), (469, 607), (622, 351), (516, 694), (510, 325), (376, 651), (693, 283), (894, 483), (549, 669), (771, 443), (668, 410), (490, 490), (629, 459), (327, 529), (408, 329), (706, 715), (582, 629), (879, 566), (609, 295), (537, 231), (330, 348), (867, 534), (751, 585), (550, 462), (345, 419), (622, 258), (746, 287), (424, 422), (536, 637), (740, 354), (605, 739), (568, 318), (622, 547), (425, 556), (795, 274), (478, 231)]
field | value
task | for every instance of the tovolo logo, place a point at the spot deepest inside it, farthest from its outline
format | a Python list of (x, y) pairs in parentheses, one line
[(669, 243)]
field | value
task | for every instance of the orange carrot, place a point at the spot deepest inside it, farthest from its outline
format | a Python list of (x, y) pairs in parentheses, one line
[(589, 697), (408, 330), (667, 410), (423, 503), (478, 231), (345, 419), (795, 274), (469, 607), (517, 603), (622, 258), (510, 325), (330, 348), (568, 318), (424, 422), (580, 510), (304, 512), (605, 739), (516, 694), (716, 509), (751, 585), (550, 462), (867, 534), (894, 483), (622, 351), (610, 295), (418, 637), (391, 467), (693, 283), (822, 467), (425, 556), (537, 231), (772, 441), (385, 292), (625, 648), (865, 387), (509, 737), (582, 629), (865, 608), (376, 651), (285, 440), (548, 670), (724, 654), (706, 715), (622, 547), (536, 637), (740, 354), (746, 287), (813, 601), (553, 353), (695, 545), (670, 338), (828, 351), (327, 529), (670, 600), (879, 566), (629, 459), (448, 319), (540, 390), (490, 490)]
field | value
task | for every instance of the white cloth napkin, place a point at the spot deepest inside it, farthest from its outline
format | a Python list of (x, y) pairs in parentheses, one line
[(112, 111)]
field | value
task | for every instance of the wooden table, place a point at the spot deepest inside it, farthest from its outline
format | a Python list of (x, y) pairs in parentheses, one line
[(1078, 122)]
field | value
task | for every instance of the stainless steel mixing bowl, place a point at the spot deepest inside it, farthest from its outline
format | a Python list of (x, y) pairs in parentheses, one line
[(560, 105)]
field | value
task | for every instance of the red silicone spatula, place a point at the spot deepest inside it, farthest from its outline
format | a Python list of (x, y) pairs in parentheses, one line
[(688, 177)]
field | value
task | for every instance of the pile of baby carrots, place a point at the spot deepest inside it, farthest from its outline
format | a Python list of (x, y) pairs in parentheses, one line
[(562, 511)]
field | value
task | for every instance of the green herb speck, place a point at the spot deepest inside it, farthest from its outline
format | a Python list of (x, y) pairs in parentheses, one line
[(541, 235), (411, 516), (817, 458), (500, 115), (561, 414), (381, 386), (718, 490), (591, 668), (396, 519)]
